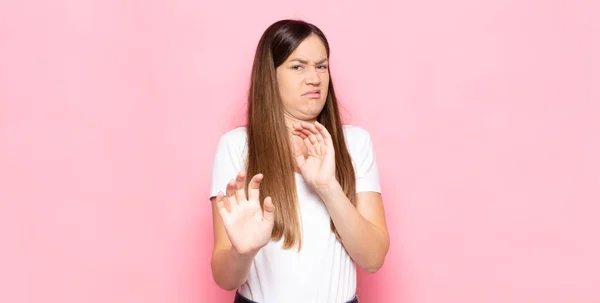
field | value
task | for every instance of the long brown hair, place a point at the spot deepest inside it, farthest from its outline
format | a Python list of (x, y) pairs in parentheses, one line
[(269, 150)]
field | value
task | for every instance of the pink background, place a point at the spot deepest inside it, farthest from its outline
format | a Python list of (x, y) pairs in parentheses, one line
[(484, 116)]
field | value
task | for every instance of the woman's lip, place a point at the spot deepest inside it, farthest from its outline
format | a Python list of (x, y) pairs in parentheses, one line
[(313, 92), (313, 95)]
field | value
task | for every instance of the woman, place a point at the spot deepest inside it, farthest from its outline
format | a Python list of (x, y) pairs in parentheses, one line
[(295, 194)]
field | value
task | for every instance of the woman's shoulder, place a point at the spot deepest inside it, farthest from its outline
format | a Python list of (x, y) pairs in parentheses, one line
[(356, 134), (234, 138), (236, 134)]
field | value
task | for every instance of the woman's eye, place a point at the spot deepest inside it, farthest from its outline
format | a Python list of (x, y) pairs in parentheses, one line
[(322, 67), (296, 67)]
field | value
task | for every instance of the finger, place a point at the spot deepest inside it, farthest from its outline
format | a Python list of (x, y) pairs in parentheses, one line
[(301, 131), (308, 139), (254, 187), (312, 150), (298, 154), (240, 191), (269, 210), (310, 127), (226, 203), (230, 194), (315, 142), (311, 132), (313, 128), (221, 207), (312, 137), (325, 133), (299, 134)]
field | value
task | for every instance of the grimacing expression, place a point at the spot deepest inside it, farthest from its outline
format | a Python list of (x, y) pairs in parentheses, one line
[(303, 79)]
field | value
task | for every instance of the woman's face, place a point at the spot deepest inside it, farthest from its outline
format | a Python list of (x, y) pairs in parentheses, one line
[(303, 80)]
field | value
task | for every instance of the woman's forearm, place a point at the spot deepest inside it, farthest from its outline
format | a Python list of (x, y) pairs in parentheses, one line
[(366, 243), (230, 269)]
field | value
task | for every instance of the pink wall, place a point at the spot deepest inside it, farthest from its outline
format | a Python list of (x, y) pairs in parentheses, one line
[(484, 116)]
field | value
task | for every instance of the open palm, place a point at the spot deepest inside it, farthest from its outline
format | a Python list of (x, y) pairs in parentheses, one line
[(318, 167), (247, 225)]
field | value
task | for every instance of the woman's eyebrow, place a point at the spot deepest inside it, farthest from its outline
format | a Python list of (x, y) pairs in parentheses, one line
[(306, 62)]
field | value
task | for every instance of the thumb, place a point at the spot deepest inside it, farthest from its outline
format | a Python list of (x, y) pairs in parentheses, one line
[(269, 210)]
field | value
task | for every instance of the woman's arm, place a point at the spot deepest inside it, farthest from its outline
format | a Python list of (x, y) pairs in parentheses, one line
[(229, 269), (362, 228), (241, 228)]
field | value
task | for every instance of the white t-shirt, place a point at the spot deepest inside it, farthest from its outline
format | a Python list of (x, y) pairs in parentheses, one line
[(322, 271)]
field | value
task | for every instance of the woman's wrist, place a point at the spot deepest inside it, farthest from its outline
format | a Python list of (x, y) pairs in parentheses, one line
[(243, 255), (328, 190)]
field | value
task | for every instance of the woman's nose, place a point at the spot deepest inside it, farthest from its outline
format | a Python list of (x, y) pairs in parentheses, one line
[(312, 76)]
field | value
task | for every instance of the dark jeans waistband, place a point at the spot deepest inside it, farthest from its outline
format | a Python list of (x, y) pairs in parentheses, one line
[(241, 299)]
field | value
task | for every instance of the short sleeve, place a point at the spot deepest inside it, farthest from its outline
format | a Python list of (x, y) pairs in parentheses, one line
[(227, 163), (365, 163)]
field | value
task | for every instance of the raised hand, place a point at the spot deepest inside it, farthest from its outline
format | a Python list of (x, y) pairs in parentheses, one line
[(318, 168), (247, 225)]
